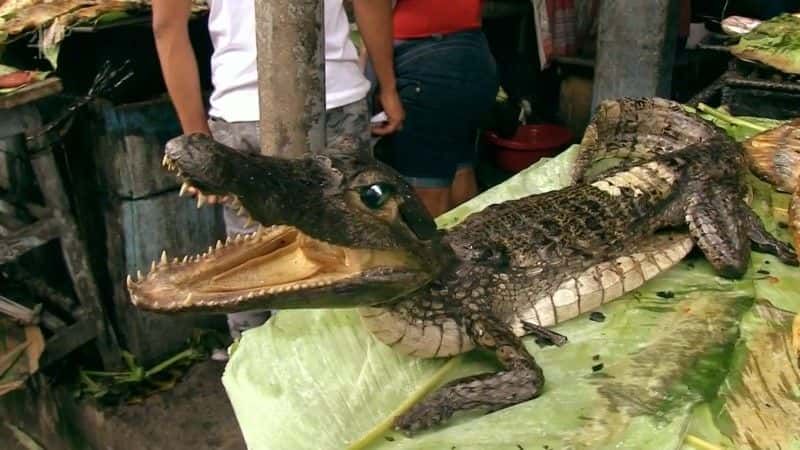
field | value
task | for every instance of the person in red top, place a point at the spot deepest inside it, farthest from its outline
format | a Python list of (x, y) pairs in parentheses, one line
[(447, 80)]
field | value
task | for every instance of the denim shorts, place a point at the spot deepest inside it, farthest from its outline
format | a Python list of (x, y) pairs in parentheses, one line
[(447, 85)]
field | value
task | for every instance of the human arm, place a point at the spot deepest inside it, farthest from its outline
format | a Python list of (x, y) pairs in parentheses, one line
[(178, 63), (179, 68), (374, 19)]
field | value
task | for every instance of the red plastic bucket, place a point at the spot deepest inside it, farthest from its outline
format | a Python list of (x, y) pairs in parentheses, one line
[(529, 144)]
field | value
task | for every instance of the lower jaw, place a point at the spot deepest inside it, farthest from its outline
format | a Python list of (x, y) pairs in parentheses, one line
[(375, 292)]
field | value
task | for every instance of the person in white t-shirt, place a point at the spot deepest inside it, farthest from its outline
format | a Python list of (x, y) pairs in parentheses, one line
[(234, 113)]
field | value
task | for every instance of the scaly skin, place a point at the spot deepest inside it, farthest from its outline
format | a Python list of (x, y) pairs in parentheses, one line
[(503, 273)]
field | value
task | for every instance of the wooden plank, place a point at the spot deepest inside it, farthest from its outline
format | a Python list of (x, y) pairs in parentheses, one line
[(635, 49), (25, 239), (290, 39), (75, 254), (137, 231), (31, 93), (67, 340), (15, 175), (761, 103), (131, 146)]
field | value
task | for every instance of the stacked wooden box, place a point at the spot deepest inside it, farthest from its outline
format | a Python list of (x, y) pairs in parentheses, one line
[(144, 215)]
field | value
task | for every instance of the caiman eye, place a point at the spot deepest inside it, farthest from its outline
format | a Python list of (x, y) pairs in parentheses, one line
[(376, 195)]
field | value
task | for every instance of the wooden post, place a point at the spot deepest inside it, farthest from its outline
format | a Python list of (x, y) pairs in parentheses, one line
[(635, 49), (290, 40)]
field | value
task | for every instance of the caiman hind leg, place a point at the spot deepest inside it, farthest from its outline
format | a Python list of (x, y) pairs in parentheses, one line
[(521, 380)]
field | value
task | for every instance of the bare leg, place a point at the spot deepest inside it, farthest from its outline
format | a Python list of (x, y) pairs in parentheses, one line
[(521, 380), (464, 186), (436, 200)]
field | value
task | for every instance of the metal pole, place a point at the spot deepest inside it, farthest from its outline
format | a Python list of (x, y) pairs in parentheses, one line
[(635, 49), (290, 40)]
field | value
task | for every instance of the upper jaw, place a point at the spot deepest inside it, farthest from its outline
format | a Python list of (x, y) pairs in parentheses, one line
[(276, 267)]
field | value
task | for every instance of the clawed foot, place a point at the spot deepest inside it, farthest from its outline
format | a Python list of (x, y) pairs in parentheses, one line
[(782, 251), (422, 416), (765, 242), (547, 334), (521, 381)]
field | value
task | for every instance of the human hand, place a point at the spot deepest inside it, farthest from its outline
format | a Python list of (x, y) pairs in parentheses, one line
[(395, 114)]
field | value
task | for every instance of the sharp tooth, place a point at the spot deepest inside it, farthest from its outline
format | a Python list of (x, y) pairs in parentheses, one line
[(248, 222), (129, 281), (153, 266), (185, 259), (184, 187), (241, 211), (210, 250), (219, 244), (175, 260), (139, 276), (201, 199), (164, 259), (165, 161), (188, 299)]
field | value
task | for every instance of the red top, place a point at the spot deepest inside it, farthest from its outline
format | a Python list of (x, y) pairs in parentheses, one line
[(422, 18)]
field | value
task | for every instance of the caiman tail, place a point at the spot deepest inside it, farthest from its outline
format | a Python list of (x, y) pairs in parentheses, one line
[(633, 131), (774, 156)]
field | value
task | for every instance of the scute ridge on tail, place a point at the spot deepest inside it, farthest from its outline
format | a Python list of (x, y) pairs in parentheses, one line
[(632, 130)]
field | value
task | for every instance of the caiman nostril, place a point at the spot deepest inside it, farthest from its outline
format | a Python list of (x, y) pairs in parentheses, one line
[(418, 220)]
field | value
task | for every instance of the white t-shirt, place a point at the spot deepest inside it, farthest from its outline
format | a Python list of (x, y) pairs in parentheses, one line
[(231, 24)]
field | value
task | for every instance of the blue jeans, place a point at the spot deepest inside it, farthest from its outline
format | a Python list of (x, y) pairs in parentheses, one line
[(447, 85)]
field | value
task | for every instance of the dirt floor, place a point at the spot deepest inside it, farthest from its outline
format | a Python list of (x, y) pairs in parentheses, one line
[(195, 415)]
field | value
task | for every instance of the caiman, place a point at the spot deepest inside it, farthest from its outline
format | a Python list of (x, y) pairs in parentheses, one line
[(340, 229)]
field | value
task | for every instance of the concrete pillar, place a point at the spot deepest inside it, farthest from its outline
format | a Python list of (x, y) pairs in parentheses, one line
[(635, 48), (290, 40)]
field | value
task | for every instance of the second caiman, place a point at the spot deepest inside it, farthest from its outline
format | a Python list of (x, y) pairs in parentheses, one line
[(341, 229)]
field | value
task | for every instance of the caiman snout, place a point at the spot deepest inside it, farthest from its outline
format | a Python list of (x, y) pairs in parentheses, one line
[(336, 229)]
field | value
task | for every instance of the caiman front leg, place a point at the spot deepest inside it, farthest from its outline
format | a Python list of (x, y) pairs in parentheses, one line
[(521, 380), (725, 229)]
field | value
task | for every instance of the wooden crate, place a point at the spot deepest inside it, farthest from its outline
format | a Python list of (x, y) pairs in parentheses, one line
[(131, 145), (138, 231), (144, 215)]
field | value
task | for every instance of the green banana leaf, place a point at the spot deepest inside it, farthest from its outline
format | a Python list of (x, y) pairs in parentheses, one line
[(675, 363), (775, 42)]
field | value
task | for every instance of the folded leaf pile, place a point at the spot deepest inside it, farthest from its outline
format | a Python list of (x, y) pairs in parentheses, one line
[(775, 42), (54, 18)]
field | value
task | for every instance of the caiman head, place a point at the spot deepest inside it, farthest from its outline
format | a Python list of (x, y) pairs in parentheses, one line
[(338, 229)]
